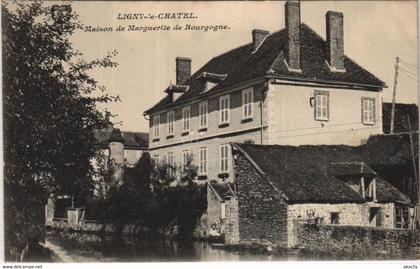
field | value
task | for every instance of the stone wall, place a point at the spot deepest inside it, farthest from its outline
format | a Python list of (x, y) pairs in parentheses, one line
[(232, 222), (357, 242), (387, 215), (261, 207), (349, 214)]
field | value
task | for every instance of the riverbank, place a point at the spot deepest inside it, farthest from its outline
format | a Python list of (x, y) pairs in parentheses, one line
[(81, 247)]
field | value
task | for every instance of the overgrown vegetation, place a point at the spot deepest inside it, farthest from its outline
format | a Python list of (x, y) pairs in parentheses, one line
[(156, 197), (49, 114)]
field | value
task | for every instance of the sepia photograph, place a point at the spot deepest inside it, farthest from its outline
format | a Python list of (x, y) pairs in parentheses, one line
[(210, 131)]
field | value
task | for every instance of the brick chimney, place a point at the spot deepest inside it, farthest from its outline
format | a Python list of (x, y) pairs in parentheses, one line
[(335, 41), (183, 70), (258, 37), (292, 12)]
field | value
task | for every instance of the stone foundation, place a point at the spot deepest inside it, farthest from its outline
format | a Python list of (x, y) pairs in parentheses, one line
[(358, 242)]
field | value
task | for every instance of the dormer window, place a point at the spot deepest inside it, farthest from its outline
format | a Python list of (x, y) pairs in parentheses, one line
[(175, 91), (210, 80), (209, 85)]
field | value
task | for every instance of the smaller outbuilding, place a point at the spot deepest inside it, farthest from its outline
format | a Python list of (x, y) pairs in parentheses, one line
[(277, 186)]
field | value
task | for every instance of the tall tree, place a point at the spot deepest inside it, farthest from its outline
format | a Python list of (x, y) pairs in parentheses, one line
[(49, 110)]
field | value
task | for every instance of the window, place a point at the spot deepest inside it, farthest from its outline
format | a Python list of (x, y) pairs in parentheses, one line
[(247, 101), (335, 218), (186, 119), (171, 117), (186, 155), (224, 109), (368, 110), (156, 161), (322, 110), (170, 162), (156, 128), (202, 166), (224, 158), (249, 141), (203, 115)]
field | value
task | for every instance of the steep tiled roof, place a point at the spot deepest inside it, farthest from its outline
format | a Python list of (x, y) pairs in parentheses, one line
[(135, 139), (390, 149), (242, 64), (132, 140), (301, 172), (401, 121), (311, 173)]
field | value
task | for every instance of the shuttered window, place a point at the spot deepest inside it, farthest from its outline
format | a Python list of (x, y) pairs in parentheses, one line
[(322, 105), (368, 110), (247, 101), (203, 115), (186, 119), (170, 161), (171, 117), (224, 158), (224, 106), (186, 155), (156, 161), (156, 127), (202, 167)]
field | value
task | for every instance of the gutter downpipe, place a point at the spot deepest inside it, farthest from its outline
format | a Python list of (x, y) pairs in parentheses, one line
[(264, 94)]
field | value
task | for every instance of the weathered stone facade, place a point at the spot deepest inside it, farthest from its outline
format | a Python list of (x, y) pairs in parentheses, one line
[(261, 207), (386, 215), (359, 242), (232, 236), (349, 214), (267, 215)]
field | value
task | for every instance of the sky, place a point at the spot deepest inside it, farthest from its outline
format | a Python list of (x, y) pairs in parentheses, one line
[(375, 32)]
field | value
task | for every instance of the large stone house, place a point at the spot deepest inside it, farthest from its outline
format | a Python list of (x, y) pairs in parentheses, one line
[(275, 186), (290, 87)]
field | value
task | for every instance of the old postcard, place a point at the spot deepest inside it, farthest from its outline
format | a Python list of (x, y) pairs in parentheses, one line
[(210, 131)]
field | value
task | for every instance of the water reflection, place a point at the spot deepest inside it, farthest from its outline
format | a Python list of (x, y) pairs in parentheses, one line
[(100, 248)]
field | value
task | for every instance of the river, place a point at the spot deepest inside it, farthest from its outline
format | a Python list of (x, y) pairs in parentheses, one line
[(77, 247)]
